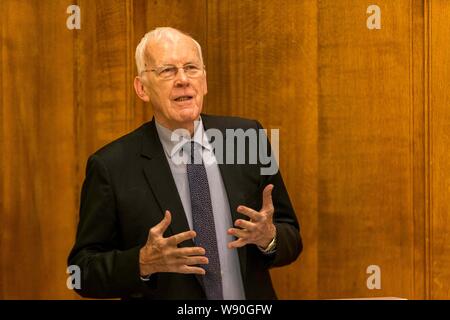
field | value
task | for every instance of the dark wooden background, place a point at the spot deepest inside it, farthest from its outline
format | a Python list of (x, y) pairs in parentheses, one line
[(363, 117)]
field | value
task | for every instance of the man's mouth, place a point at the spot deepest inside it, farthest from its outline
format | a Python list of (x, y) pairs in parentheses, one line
[(183, 98)]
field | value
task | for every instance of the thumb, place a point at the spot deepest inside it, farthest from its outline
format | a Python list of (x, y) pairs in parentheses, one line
[(162, 226), (267, 199)]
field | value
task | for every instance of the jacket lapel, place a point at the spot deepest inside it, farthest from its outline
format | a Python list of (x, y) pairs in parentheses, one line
[(160, 179)]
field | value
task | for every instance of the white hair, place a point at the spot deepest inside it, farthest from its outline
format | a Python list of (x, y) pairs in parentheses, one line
[(156, 35)]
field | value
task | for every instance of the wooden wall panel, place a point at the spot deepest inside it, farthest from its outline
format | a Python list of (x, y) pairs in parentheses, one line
[(104, 77), (188, 16), (262, 65), (37, 150), (362, 114), (419, 166), (365, 150), (439, 150)]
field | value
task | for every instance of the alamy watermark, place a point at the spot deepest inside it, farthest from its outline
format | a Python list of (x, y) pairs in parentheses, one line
[(74, 20), (374, 280), (238, 146), (74, 279)]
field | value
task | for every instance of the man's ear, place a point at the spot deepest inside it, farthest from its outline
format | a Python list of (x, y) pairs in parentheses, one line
[(140, 90)]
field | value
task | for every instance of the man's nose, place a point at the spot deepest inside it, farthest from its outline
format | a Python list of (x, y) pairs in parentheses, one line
[(181, 80)]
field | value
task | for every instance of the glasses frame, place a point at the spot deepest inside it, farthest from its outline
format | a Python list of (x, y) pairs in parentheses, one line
[(158, 71)]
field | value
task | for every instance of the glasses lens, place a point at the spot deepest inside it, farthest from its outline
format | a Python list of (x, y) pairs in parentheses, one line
[(192, 70), (167, 72)]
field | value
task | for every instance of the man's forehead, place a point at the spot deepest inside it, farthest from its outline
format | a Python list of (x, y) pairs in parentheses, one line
[(166, 49)]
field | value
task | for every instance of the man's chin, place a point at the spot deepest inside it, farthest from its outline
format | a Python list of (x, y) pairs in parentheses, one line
[(188, 115)]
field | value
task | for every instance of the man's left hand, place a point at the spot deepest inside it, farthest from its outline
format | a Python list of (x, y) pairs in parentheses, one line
[(260, 230)]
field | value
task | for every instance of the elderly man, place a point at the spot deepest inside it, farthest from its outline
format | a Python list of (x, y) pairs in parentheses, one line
[(154, 228)]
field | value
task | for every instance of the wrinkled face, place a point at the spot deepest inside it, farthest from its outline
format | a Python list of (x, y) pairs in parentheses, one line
[(176, 102)]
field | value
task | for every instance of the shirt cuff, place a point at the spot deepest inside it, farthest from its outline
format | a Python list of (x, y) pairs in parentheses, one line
[(147, 278), (272, 247)]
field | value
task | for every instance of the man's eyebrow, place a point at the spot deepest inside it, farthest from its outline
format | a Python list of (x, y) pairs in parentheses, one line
[(172, 65), (167, 65)]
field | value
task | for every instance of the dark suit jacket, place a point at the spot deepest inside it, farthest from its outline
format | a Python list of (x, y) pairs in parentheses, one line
[(127, 188)]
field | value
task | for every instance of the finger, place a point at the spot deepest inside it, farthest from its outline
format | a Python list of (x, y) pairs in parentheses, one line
[(245, 224), (180, 237), (252, 214), (238, 232), (191, 270), (189, 261), (161, 227), (237, 243), (191, 251), (267, 199)]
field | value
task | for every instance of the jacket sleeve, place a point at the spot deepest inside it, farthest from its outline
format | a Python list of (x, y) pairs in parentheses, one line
[(107, 271), (289, 241)]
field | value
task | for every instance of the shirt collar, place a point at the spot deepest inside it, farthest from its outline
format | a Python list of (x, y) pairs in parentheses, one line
[(172, 141)]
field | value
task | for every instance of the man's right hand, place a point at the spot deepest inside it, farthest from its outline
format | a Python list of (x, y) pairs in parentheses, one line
[(162, 254)]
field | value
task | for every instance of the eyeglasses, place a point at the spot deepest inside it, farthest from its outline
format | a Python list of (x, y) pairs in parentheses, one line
[(169, 72)]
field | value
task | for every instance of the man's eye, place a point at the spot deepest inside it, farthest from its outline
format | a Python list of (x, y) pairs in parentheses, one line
[(167, 71), (190, 67)]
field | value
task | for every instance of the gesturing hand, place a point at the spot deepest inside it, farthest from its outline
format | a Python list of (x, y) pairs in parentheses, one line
[(162, 254), (260, 230)]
